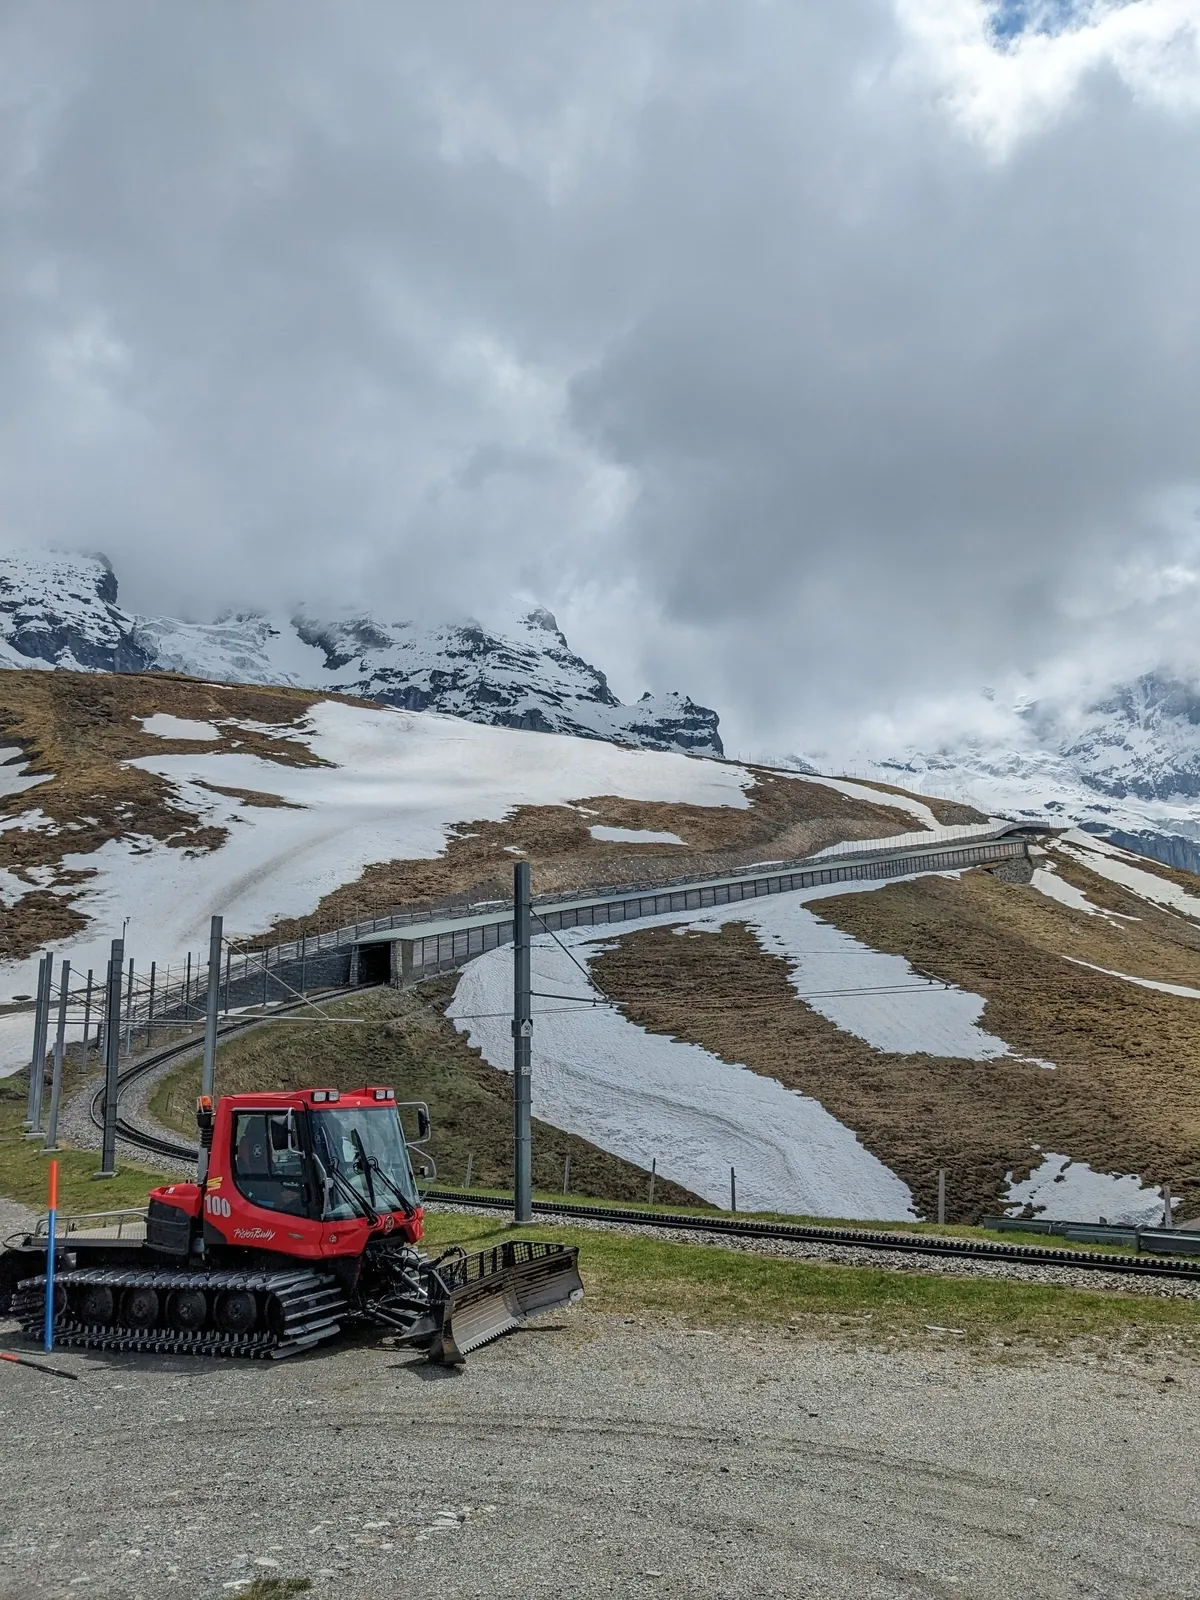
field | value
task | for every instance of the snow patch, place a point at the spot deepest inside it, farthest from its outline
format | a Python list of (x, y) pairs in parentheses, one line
[(877, 997), (1142, 983), (1046, 881), (633, 836), (1064, 1190), (164, 726), (13, 776)]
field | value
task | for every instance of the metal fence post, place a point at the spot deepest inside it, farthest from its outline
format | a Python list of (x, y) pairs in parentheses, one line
[(567, 1175), (653, 1175), (150, 1006), (941, 1216), (64, 995), (470, 1159), (1168, 1220), (112, 1056), (732, 1190)]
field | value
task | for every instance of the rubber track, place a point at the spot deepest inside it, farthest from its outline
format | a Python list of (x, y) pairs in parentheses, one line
[(312, 1305), (913, 1244)]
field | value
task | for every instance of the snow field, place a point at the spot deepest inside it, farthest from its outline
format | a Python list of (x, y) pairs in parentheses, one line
[(633, 836), (394, 784), (164, 726), (13, 779), (649, 1098), (1142, 983), (1046, 881), (16, 1035)]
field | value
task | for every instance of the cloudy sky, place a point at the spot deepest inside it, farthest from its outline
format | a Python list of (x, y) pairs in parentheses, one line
[(821, 359)]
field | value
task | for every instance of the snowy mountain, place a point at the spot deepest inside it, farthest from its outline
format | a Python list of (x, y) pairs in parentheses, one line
[(1126, 764), (62, 611)]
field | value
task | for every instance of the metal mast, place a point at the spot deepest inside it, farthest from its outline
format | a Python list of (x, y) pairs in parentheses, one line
[(522, 1028)]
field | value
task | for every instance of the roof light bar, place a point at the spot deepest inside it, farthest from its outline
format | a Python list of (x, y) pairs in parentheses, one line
[(384, 1094)]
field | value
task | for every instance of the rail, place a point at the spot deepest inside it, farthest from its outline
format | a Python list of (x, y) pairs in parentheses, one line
[(914, 1244)]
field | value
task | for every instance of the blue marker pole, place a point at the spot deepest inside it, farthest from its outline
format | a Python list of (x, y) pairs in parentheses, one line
[(51, 1225)]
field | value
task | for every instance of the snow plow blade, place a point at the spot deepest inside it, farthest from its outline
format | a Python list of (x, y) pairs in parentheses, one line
[(492, 1293)]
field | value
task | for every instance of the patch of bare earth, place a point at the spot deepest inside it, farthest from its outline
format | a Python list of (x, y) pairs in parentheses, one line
[(1125, 1095), (83, 728)]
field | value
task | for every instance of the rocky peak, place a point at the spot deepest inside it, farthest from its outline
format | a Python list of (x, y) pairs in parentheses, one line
[(62, 611)]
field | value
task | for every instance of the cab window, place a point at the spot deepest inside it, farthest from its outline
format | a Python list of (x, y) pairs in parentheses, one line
[(268, 1165)]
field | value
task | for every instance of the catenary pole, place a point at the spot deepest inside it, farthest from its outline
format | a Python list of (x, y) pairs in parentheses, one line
[(112, 1058), (37, 1061), (522, 1027), (64, 998), (213, 1007), (87, 1020)]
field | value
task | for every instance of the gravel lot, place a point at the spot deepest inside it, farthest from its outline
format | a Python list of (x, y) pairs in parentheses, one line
[(601, 1457)]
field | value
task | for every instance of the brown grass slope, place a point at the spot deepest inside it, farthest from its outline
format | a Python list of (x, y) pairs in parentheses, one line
[(84, 729), (1125, 1095)]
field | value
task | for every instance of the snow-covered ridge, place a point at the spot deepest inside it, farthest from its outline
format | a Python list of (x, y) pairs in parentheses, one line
[(1125, 763), (61, 611)]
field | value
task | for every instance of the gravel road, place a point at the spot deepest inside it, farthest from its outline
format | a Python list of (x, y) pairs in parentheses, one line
[(601, 1457)]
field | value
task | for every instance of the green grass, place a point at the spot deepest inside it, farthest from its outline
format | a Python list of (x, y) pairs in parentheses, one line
[(25, 1171), (712, 1287)]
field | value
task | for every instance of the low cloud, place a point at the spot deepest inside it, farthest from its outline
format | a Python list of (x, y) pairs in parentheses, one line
[(813, 359)]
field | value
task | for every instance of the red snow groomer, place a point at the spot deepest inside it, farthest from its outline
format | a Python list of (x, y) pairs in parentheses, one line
[(306, 1221)]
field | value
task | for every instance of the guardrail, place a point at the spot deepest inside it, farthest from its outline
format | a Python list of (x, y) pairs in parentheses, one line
[(1156, 1241), (439, 946)]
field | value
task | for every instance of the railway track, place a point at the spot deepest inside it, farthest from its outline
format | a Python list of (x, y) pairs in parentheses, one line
[(156, 1144), (915, 1245), (863, 1238)]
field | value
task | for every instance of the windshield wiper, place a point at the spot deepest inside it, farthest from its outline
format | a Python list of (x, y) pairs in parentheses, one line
[(364, 1166), (335, 1175), (406, 1204)]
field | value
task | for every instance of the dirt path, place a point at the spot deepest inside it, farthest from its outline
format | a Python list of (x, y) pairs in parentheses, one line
[(608, 1458)]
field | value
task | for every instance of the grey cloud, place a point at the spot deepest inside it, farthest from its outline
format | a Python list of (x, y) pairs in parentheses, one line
[(695, 304)]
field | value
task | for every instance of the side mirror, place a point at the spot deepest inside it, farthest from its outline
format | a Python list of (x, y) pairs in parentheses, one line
[(422, 1123), (423, 1171)]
